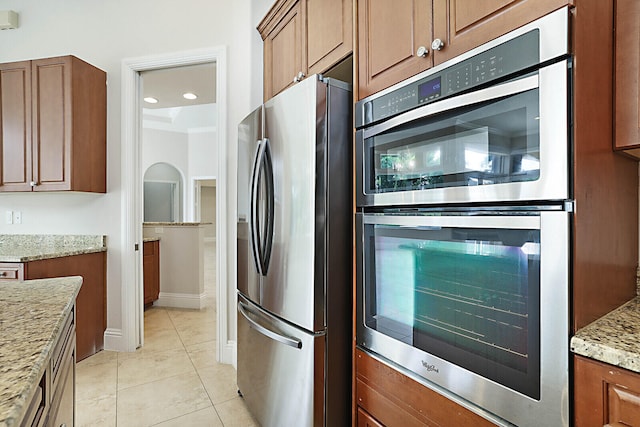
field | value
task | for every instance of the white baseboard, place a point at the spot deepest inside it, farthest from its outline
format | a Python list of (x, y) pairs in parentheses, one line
[(113, 340), (230, 354), (175, 300)]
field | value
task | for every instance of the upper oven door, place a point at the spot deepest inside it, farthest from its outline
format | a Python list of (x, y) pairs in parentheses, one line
[(504, 143)]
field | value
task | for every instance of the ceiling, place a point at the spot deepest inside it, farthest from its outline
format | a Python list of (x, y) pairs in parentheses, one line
[(173, 112), (167, 85)]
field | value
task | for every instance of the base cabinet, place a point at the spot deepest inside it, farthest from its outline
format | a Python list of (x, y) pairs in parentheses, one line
[(53, 404), (91, 301), (366, 420), (605, 395), (151, 271), (386, 397)]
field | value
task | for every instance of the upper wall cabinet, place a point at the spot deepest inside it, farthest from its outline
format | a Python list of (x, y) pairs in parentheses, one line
[(627, 76), (397, 40), (304, 37), (53, 116)]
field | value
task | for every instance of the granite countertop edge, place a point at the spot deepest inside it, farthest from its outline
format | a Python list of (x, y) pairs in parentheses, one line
[(613, 339), (48, 255), (15, 401), (175, 224)]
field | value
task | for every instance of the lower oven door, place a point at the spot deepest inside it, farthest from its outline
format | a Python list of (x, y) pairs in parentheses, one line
[(476, 304)]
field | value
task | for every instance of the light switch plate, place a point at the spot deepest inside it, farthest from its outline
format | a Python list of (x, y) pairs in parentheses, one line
[(8, 217)]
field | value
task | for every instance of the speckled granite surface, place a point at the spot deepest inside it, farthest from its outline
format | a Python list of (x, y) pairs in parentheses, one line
[(33, 247), (175, 224), (31, 316), (614, 338)]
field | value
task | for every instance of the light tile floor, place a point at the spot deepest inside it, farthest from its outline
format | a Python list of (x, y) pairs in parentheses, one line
[(173, 380)]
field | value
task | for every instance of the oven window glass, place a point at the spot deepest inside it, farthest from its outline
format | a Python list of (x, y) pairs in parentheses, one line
[(467, 295), (489, 143)]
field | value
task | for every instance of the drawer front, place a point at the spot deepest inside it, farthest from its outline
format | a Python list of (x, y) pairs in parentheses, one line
[(11, 271), (64, 346)]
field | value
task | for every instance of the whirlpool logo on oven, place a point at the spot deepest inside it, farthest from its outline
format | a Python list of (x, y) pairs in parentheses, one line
[(430, 368)]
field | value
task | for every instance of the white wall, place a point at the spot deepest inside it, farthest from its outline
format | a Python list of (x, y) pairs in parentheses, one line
[(159, 146), (103, 33), (202, 154)]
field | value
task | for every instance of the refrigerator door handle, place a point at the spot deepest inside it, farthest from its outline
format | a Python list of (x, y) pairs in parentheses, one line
[(268, 239), (253, 209), (290, 341)]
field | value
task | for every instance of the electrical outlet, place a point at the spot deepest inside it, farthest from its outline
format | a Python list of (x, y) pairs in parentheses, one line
[(9, 217), (17, 217)]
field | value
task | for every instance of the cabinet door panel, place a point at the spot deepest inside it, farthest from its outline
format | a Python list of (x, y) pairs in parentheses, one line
[(329, 33), (462, 28), (389, 34), (605, 394), (624, 405), (151, 271), (51, 84), (283, 53), (366, 420), (627, 78), (15, 126)]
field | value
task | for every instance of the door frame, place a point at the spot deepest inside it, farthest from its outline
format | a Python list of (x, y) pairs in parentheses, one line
[(131, 232)]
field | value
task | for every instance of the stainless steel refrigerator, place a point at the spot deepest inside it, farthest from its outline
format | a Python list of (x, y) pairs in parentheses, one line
[(294, 256)]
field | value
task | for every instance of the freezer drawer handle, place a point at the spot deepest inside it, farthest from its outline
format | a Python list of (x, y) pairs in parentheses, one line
[(293, 342)]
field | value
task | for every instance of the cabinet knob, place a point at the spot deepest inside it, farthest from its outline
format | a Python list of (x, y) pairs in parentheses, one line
[(33, 183), (422, 52), (437, 44), (299, 77), (3, 273)]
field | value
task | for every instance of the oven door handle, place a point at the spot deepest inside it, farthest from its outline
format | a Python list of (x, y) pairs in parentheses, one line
[(519, 222), (493, 92)]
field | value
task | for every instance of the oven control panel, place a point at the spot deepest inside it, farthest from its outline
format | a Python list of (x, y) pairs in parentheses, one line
[(502, 60)]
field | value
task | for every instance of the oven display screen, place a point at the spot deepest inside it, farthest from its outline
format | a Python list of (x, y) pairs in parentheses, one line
[(429, 90)]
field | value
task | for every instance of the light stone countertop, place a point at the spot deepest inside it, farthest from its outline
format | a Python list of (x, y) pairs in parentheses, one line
[(31, 316), (174, 224), (150, 239), (28, 247), (614, 338)]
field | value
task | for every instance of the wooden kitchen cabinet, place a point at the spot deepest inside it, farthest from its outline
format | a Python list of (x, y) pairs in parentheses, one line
[(304, 37), (53, 404), (392, 35), (605, 395), (389, 35), (151, 270), (91, 302), (53, 126), (627, 77), (63, 363), (385, 396), (366, 420)]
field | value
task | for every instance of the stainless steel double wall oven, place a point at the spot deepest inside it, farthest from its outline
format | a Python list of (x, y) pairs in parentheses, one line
[(463, 217)]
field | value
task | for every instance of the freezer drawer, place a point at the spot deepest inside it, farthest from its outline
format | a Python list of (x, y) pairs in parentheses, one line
[(280, 369)]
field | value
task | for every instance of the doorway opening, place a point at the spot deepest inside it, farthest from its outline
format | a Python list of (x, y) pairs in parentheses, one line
[(132, 116)]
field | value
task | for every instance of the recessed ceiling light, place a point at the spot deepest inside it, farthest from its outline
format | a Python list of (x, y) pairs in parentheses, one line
[(150, 100), (189, 95)]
